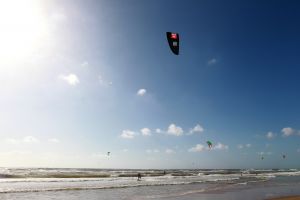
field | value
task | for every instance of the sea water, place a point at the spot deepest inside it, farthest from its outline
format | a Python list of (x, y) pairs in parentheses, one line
[(90, 184)]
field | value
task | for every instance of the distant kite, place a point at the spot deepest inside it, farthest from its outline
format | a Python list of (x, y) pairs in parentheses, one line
[(173, 40), (283, 156), (108, 153), (209, 144)]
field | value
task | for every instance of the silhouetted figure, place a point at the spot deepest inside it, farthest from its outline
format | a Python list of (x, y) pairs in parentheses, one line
[(139, 177), (164, 172)]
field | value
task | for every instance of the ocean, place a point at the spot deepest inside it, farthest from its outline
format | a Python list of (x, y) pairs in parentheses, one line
[(90, 184)]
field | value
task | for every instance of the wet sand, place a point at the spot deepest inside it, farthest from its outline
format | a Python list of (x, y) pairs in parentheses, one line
[(287, 198)]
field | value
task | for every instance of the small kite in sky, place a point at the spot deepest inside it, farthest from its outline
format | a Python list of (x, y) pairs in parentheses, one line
[(173, 40), (209, 143)]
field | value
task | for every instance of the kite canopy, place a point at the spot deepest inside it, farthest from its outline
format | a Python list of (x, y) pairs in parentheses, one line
[(173, 40), (209, 143)]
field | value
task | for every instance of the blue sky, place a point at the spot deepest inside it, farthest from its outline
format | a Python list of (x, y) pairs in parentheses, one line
[(81, 78)]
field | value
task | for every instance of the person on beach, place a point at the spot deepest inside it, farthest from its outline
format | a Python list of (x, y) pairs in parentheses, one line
[(139, 177)]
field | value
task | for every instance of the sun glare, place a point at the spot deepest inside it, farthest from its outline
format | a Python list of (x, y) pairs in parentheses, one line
[(22, 28)]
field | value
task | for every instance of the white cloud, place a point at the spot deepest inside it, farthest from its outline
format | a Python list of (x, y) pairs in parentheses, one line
[(156, 151), (71, 79), (26, 139), (30, 139), (288, 131), (197, 148), (174, 130), (146, 131), (158, 130), (212, 61), (170, 151), (265, 153), (100, 79), (197, 129), (127, 134), (241, 146), (104, 82), (270, 135), (54, 140), (12, 141), (141, 92), (125, 150), (149, 151), (221, 146), (85, 64)]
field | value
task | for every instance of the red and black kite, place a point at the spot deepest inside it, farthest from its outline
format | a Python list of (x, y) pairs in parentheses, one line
[(173, 40)]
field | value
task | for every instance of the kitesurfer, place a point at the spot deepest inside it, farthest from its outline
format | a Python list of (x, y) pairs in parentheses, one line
[(139, 177)]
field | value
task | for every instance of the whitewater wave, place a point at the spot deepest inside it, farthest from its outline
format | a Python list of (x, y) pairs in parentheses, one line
[(43, 179), (50, 187)]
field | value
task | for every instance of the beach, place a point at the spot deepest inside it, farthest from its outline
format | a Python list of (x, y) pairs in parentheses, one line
[(92, 184)]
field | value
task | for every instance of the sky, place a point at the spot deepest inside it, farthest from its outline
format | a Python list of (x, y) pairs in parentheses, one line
[(79, 79)]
